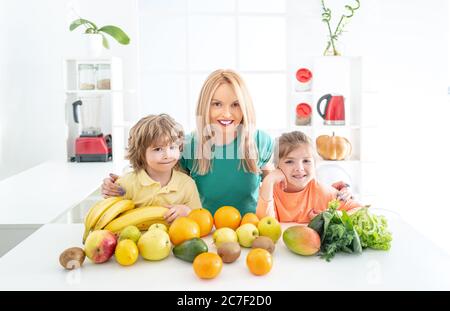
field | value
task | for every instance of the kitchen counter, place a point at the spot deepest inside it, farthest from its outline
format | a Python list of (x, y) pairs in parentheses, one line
[(413, 263), (42, 193)]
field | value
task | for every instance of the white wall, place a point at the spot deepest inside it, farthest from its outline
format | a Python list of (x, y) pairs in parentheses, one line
[(413, 62), (35, 40), (30, 107)]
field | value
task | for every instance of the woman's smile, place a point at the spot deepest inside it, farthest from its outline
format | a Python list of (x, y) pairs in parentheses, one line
[(225, 122)]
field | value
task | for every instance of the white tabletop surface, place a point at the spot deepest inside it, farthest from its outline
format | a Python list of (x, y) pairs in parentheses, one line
[(38, 195), (413, 263)]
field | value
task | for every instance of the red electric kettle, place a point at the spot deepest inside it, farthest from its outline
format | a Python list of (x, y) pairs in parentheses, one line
[(334, 113)]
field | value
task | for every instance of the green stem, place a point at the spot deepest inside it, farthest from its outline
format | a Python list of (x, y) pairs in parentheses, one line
[(331, 39), (326, 49), (339, 24)]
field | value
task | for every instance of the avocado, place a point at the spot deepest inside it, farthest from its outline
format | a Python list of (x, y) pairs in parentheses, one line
[(189, 249)]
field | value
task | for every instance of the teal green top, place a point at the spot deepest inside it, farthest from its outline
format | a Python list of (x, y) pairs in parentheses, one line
[(227, 183)]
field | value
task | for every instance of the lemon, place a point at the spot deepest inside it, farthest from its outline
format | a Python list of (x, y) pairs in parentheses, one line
[(126, 252)]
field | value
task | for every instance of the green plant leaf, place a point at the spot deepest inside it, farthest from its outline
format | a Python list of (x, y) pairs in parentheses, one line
[(356, 243), (81, 21), (116, 33), (105, 41), (327, 217), (317, 224), (90, 30)]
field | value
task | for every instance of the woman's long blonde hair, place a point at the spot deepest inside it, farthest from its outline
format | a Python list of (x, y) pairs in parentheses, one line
[(247, 152)]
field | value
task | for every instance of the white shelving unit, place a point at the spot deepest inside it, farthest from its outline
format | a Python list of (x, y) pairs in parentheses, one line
[(336, 75), (111, 94)]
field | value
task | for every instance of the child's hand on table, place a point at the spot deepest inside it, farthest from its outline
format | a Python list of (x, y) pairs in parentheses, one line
[(175, 211)]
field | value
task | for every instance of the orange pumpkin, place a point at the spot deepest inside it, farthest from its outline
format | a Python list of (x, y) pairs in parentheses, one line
[(333, 147)]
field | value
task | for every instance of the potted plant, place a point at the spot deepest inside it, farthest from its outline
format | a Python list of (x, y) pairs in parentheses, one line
[(331, 48), (96, 35)]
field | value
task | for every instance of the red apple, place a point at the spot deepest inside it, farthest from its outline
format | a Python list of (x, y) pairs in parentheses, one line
[(100, 245)]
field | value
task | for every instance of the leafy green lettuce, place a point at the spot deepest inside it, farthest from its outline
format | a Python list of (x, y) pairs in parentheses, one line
[(336, 232), (372, 229)]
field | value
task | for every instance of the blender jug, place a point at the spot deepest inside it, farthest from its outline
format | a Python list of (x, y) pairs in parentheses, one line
[(90, 107)]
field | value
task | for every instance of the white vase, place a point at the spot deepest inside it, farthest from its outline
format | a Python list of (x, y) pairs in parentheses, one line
[(93, 45)]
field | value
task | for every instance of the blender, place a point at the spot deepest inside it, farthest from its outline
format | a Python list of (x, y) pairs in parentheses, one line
[(91, 145)]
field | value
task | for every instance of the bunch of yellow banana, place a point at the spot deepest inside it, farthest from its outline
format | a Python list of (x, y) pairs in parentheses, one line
[(103, 212), (142, 217)]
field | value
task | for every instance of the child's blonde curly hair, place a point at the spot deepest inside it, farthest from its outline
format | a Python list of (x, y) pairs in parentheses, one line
[(152, 130)]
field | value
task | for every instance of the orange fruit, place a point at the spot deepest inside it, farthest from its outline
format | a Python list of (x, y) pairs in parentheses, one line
[(183, 229), (204, 220), (250, 218), (227, 216), (207, 265), (259, 261)]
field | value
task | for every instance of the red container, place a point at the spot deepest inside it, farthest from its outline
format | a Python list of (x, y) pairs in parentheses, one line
[(303, 75), (334, 112), (303, 114)]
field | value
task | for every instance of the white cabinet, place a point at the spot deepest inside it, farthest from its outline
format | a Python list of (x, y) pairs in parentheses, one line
[(99, 81), (337, 75)]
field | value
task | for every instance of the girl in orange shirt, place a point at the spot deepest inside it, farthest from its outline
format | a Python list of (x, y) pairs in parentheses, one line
[(291, 193)]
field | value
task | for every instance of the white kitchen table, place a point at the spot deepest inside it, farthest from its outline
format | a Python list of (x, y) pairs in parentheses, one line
[(42, 193), (413, 263)]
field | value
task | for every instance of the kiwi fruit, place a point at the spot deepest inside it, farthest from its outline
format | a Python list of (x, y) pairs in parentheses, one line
[(229, 251), (264, 243), (72, 258)]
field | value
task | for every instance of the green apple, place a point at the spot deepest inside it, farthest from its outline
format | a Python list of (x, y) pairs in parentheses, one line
[(223, 235), (247, 233), (154, 245), (130, 233), (158, 226), (270, 227)]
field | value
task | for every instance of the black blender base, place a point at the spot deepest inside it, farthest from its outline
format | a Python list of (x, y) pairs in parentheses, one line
[(92, 157)]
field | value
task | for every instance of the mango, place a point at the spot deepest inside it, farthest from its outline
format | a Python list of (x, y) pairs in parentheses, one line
[(302, 240)]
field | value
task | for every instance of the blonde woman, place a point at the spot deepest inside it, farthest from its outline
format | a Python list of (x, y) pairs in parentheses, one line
[(227, 156)]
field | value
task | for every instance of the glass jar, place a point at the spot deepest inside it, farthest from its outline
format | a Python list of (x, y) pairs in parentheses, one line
[(86, 77), (104, 77)]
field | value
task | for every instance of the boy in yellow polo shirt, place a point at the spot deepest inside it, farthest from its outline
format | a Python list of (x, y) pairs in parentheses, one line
[(154, 148)]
